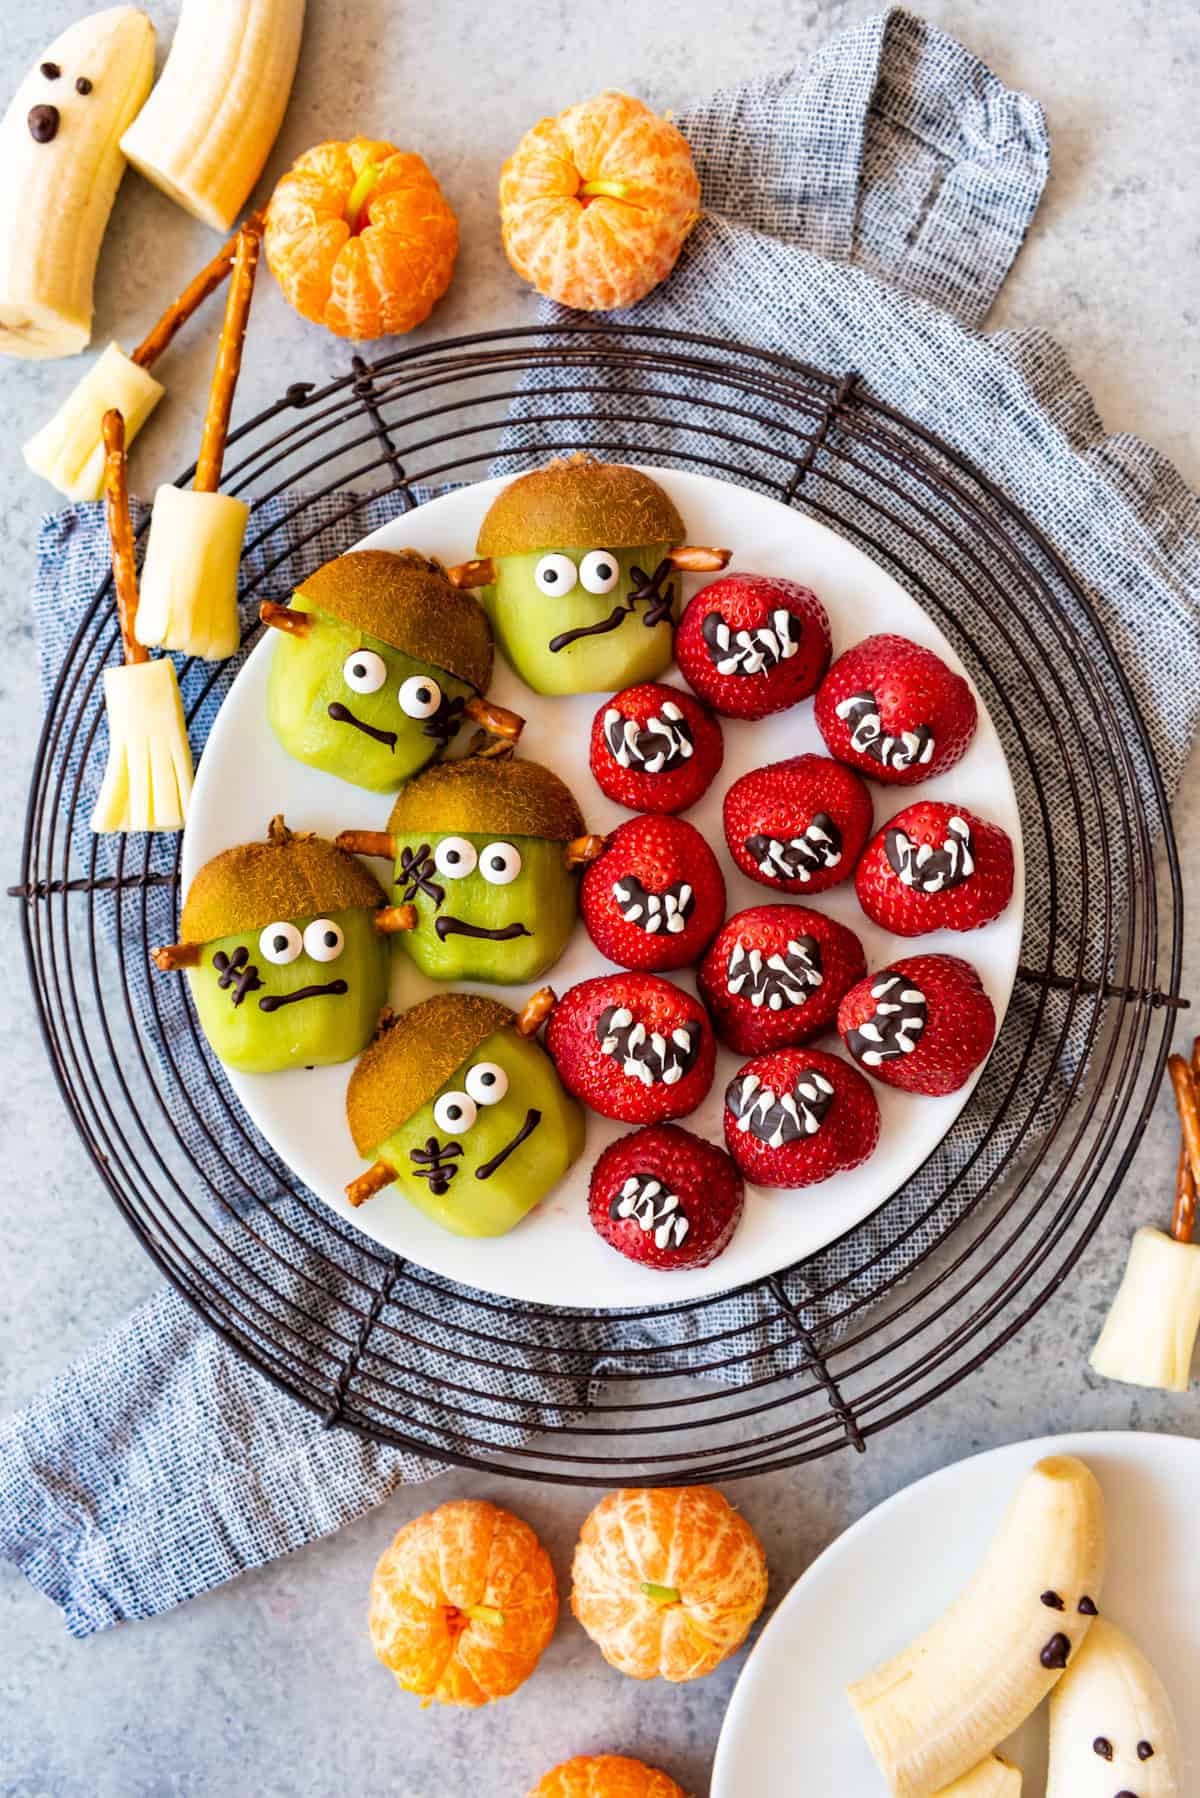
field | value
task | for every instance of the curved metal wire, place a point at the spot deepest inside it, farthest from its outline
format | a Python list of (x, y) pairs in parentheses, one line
[(347, 1327)]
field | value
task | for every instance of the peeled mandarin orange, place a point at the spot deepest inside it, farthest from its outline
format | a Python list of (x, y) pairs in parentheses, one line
[(463, 1603), (605, 1776), (595, 204), (360, 238), (667, 1582)]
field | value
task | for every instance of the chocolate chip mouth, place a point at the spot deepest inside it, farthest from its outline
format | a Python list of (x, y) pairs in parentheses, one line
[(778, 1119), (752, 651), (341, 714), (798, 858), (648, 1055), (486, 1169), (663, 743), (450, 926), (929, 870), (273, 1001), (899, 1017), (907, 749), (668, 910)]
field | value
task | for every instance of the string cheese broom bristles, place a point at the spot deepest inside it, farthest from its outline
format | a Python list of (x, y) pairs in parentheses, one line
[(148, 776)]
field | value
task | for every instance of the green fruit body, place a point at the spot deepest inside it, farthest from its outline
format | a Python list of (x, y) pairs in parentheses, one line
[(305, 1033), (307, 678), (490, 1206), (525, 621), (543, 899)]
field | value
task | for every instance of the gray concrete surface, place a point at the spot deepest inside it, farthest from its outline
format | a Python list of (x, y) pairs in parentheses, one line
[(268, 1686)]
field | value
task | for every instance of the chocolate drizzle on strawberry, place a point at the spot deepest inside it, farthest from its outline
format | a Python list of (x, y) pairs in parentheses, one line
[(798, 858), (780, 981), (899, 1017), (648, 1055), (654, 1210), (754, 650), (908, 749), (930, 870), (662, 743), (778, 1119), (666, 911)]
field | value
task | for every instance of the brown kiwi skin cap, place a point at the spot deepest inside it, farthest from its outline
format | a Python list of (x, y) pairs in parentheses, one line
[(291, 875), (404, 599), (410, 1057), (498, 795), (576, 502)]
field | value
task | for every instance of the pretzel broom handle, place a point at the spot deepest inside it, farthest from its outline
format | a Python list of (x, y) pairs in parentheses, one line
[(229, 362), (120, 531)]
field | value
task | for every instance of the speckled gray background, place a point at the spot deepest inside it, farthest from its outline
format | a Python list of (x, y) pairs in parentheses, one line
[(269, 1686)]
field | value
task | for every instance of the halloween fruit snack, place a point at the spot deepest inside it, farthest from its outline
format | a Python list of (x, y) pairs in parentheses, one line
[(207, 129), (484, 852), (457, 1105), (596, 203), (896, 711), (798, 825), (667, 1582), (61, 154), (935, 1710), (605, 1776), (190, 575), (1150, 1336), (794, 1117), (378, 663), (665, 1198), (285, 945), (578, 565), (654, 895), (463, 1603), (654, 749), (774, 975), (148, 776), (935, 867), (922, 1024), (360, 238), (753, 644), (1112, 1725), (633, 1047)]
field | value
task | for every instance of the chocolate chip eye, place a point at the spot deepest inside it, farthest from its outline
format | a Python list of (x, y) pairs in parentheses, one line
[(555, 575), (1053, 1602), (1103, 1747), (50, 70), (83, 85), (1145, 1751), (1087, 1607)]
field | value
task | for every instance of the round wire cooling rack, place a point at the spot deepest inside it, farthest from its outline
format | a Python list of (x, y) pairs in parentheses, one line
[(817, 1358)]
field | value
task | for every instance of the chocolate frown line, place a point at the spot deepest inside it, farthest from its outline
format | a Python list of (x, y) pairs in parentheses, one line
[(451, 926), (486, 1169), (341, 714), (273, 1001)]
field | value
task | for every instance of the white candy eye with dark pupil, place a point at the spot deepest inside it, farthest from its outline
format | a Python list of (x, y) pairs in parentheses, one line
[(599, 571), (364, 671), (455, 858), (324, 940), (454, 1113), (280, 943), (486, 1082), (500, 863), (420, 696), (556, 575)]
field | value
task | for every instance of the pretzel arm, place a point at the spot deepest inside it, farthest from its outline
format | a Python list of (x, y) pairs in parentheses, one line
[(120, 531), (1189, 1113)]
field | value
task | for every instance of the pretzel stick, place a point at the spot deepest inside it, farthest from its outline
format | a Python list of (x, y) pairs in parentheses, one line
[(390, 919), (1188, 1177), (582, 850), (377, 1176), (496, 720), (695, 560), (120, 531), (176, 955), (1183, 1223), (286, 618), (161, 335), (535, 1011), (367, 842), (229, 362)]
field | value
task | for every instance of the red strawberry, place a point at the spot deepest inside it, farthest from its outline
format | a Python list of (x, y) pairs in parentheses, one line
[(935, 867), (895, 710), (752, 644), (922, 1024), (655, 895), (799, 825), (774, 975), (655, 748), (665, 1198), (633, 1047), (796, 1116)]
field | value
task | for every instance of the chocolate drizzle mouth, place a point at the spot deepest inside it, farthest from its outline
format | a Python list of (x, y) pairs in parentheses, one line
[(416, 868), (273, 1001), (654, 1210), (341, 714), (798, 858), (486, 1169), (647, 591), (778, 1119), (662, 743), (645, 1055), (780, 981), (899, 1017), (909, 749), (668, 910), (435, 1163), (751, 651), (930, 870), (236, 971), (450, 926)]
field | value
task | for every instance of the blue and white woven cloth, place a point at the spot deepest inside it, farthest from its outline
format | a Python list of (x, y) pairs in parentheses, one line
[(860, 213)]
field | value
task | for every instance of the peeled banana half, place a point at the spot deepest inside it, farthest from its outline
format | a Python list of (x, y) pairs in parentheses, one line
[(993, 1778), (60, 149), (1112, 1728)]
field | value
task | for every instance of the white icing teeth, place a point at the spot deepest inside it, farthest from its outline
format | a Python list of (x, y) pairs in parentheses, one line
[(778, 1119), (929, 870), (892, 1030), (667, 911), (778, 981), (662, 743), (910, 749), (653, 1209), (644, 1055), (754, 651), (798, 858)]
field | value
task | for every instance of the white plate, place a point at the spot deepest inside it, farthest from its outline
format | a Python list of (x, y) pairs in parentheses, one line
[(554, 1256), (789, 1727)]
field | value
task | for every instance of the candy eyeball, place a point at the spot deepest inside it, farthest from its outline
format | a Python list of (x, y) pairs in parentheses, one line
[(364, 671), (454, 1113), (455, 858), (486, 1082), (324, 940), (500, 863), (280, 943), (556, 575), (420, 696), (599, 571)]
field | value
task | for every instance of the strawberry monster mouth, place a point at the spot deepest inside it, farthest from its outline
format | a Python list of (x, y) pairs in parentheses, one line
[(927, 870), (753, 651), (647, 590), (486, 1169), (273, 1001), (779, 1119), (906, 749), (892, 1030), (505, 933), (647, 1055), (668, 910), (653, 1208), (776, 982), (662, 743), (341, 714), (798, 858)]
